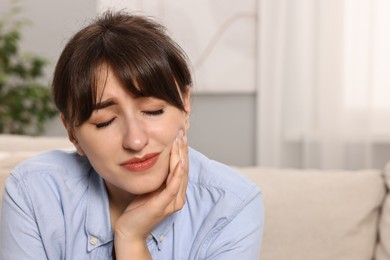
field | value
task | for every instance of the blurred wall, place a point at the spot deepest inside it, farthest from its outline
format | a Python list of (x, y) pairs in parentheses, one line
[(52, 22), (222, 125)]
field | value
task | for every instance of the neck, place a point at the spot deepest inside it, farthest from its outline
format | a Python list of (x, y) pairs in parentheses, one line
[(118, 201)]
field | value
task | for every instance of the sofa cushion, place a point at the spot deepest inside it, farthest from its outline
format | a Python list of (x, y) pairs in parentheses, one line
[(383, 250), (21, 143), (319, 215)]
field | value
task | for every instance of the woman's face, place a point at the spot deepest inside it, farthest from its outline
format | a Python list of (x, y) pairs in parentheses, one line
[(128, 140)]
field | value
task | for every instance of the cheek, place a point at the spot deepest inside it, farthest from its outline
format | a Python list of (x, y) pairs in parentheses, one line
[(100, 154), (171, 124), (163, 134), (167, 130), (96, 147)]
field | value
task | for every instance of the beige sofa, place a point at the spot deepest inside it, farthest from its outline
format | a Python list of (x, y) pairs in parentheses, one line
[(310, 214)]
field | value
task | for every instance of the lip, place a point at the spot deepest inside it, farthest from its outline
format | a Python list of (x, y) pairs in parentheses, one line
[(139, 164)]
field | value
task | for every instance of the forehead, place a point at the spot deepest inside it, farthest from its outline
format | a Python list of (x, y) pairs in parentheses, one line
[(107, 83), (105, 80), (110, 77)]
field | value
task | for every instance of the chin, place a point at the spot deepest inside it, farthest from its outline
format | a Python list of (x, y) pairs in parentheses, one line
[(144, 190), (145, 186)]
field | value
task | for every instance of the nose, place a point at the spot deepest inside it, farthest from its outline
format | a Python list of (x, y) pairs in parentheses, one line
[(135, 138)]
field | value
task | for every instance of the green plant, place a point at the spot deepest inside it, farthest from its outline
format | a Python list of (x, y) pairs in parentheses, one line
[(25, 103)]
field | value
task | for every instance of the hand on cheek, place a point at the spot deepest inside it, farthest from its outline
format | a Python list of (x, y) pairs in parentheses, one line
[(179, 167), (147, 211)]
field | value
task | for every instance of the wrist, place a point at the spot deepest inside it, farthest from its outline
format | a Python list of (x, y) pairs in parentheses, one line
[(134, 248)]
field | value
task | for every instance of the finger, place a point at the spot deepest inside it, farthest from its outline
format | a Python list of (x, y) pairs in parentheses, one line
[(184, 154), (165, 201), (177, 178), (183, 149), (175, 154)]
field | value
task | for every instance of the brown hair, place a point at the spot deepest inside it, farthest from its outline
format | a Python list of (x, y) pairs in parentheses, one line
[(138, 51)]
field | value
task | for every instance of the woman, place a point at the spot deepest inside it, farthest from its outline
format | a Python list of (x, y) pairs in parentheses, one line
[(133, 190)]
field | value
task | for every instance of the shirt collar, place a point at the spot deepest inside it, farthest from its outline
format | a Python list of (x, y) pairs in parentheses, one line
[(98, 223), (159, 233)]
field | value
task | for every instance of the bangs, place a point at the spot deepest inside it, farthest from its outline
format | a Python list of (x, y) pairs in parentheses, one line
[(139, 53), (146, 73)]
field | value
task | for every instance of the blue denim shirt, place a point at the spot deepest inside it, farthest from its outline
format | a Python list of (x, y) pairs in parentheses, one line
[(55, 206)]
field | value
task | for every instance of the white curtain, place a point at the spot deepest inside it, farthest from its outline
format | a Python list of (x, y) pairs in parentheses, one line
[(323, 83)]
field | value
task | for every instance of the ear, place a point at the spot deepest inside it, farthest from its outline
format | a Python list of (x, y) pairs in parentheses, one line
[(187, 107), (72, 137)]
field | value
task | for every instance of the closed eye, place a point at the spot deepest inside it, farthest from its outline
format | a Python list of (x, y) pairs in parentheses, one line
[(153, 112), (105, 124)]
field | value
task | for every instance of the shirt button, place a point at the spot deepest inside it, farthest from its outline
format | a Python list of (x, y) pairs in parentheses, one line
[(93, 240), (150, 237), (161, 238)]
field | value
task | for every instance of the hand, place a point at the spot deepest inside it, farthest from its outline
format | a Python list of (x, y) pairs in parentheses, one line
[(147, 211)]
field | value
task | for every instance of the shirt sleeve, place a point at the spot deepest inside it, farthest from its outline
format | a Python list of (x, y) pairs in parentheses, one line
[(241, 238), (19, 234)]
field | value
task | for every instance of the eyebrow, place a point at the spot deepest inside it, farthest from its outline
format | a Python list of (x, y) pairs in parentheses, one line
[(104, 104)]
